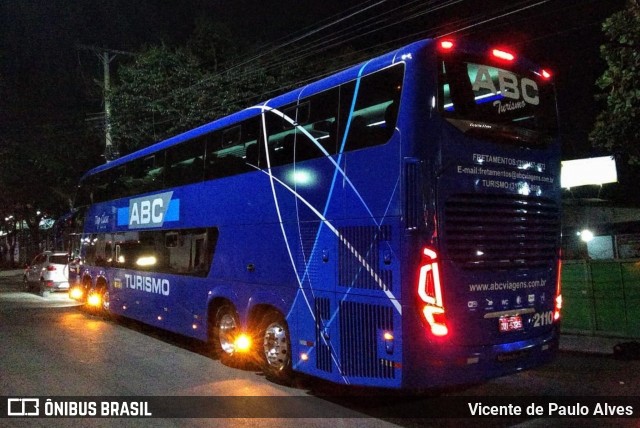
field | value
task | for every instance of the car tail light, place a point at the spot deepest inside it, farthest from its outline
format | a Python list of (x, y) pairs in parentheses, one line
[(51, 268), (430, 292)]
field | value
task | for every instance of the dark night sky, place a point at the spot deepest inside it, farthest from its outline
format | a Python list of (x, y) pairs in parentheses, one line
[(43, 72)]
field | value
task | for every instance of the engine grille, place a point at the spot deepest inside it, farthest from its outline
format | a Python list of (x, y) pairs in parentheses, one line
[(501, 231), (360, 326)]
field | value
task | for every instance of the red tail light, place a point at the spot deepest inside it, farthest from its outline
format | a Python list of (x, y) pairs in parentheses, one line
[(558, 307), (446, 45), (430, 292), (51, 268), (546, 74), (504, 55)]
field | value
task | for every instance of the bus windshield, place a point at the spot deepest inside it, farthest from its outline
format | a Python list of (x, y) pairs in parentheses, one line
[(494, 102)]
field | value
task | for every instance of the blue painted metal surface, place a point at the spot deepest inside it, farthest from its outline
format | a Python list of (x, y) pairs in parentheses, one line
[(338, 253)]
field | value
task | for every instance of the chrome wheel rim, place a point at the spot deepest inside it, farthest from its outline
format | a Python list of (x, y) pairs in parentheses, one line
[(105, 301), (226, 329), (276, 346)]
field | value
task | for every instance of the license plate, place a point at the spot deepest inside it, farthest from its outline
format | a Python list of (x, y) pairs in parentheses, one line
[(510, 323)]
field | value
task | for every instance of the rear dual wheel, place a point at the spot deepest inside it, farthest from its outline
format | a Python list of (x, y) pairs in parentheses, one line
[(276, 347), (271, 347)]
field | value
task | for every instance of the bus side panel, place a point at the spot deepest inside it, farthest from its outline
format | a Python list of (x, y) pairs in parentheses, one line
[(354, 334)]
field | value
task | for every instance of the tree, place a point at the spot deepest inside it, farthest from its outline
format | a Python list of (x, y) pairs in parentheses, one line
[(212, 42), (617, 127), (39, 170), (149, 102), (166, 90)]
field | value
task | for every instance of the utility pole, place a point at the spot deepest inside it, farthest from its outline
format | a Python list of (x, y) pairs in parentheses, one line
[(109, 152), (106, 56)]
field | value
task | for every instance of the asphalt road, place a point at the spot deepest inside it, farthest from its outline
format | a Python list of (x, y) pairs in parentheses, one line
[(49, 347)]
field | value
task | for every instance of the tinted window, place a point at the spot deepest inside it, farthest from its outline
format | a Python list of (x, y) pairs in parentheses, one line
[(372, 120), (59, 259), (312, 128), (505, 100), (140, 176), (185, 163), (234, 150), (180, 251)]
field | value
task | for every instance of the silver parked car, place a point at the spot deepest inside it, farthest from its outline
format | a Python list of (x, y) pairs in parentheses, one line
[(49, 271)]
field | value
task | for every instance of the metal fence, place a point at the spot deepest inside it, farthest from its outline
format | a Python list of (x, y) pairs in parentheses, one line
[(601, 298)]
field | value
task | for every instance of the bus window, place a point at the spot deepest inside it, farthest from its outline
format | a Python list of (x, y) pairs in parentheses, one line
[(281, 137), (136, 255), (374, 115), (234, 150), (178, 251), (322, 125), (231, 136), (144, 175), (185, 162), (89, 248), (113, 184), (517, 105), (314, 133)]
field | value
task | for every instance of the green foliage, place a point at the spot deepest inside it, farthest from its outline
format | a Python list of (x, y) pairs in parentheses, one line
[(617, 127), (168, 91), (212, 42), (145, 105), (40, 168)]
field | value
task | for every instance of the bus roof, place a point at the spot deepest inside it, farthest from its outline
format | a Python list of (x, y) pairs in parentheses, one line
[(331, 81)]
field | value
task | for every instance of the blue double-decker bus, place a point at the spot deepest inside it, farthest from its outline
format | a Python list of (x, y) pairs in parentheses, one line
[(396, 224)]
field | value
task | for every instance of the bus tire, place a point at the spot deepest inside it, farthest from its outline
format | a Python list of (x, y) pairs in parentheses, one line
[(223, 332), (275, 349), (104, 302)]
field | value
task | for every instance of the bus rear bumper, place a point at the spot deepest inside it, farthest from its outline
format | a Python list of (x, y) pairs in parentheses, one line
[(449, 366)]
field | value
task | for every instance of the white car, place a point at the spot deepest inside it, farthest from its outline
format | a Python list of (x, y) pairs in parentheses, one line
[(48, 272)]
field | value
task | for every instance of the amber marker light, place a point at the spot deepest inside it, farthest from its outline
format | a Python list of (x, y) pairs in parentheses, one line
[(75, 293), (242, 343), (94, 300)]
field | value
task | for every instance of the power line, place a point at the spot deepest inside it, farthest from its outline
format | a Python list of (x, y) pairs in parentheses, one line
[(311, 47), (313, 40)]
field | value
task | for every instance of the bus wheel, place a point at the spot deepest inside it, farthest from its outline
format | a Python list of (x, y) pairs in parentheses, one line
[(105, 304), (276, 347), (224, 332)]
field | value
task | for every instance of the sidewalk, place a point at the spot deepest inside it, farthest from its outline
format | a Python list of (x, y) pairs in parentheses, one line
[(590, 344), (11, 272)]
